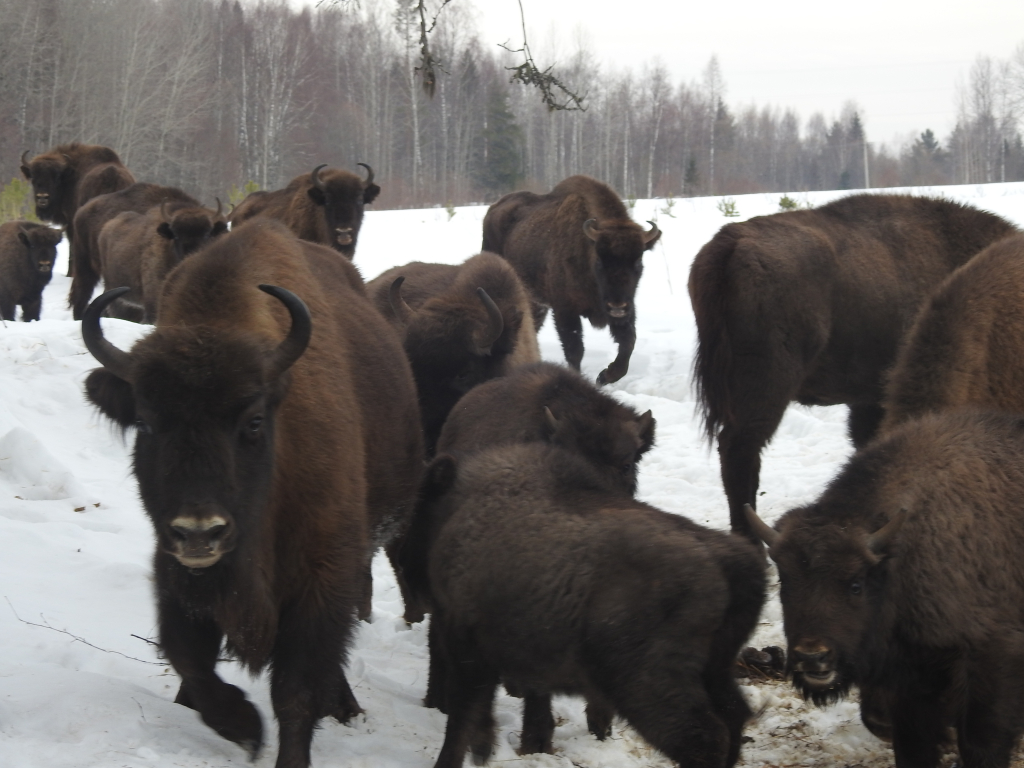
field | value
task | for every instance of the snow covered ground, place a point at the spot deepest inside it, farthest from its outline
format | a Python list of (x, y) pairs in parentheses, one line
[(80, 681)]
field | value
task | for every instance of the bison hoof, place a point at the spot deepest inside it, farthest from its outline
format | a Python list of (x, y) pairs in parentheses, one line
[(236, 719), (610, 375), (599, 721), (348, 707)]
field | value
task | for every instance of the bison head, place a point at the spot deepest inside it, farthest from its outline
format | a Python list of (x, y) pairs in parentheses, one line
[(618, 263), (203, 405), (41, 245), (190, 228), (343, 196), (831, 576), (52, 177)]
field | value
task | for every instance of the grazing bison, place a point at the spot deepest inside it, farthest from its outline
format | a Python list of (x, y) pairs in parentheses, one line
[(277, 440), (811, 306), (906, 578), (967, 343), (139, 249), (323, 206), (549, 578), (67, 177), (580, 254), (461, 325), (27, 253)]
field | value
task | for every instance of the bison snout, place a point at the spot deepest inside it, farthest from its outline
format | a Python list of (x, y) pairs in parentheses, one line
[(45, 266), (344, 236), (618, 309), (199, 542), (42, 200), (815, 661)]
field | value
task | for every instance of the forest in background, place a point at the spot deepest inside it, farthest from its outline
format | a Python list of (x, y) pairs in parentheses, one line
[(208, 95)]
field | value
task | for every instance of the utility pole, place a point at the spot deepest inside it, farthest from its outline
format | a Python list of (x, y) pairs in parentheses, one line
[(867, 179)]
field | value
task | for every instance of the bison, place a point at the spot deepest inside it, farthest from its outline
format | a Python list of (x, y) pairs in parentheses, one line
[(580, 254), (94, 216), (966, 344), (67, 177), (323, 207), (550, 578), (139, 249), (27, 253), (461, 325), (905, 578), (277, 442), (811, 306)]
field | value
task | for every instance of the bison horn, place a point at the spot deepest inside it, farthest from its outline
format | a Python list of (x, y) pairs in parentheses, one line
[(220, 208), (163, 212), (590, 229), (652, 233), (369, 174), (550, 419), (496, 323), (115, 360), (315, 176), (402, 310), (295, 343), (878, 542), (761, 529), (24, 157)]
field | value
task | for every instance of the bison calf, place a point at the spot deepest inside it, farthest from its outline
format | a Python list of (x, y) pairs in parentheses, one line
[(27, 253), (549, 578), (905, 578)]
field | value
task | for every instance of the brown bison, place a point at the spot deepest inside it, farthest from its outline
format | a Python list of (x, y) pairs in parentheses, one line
[(139, 249), (549, 578), (811, 306), (323, 206), (966, 346), (905, 578), (93, 217), (580, 254), (27, 253), (277, 441), (67, 177), (461, 325)]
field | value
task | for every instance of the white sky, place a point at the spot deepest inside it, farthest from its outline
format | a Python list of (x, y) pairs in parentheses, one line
[(899, 60)]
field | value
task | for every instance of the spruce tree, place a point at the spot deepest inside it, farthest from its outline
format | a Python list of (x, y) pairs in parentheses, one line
[(498, 166)]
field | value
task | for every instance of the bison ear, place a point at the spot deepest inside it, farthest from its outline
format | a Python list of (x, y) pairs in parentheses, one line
[(219, 228), (316, 195), (370, 193), (112, 395), (165, 231), (24, 238), (440, 476), (645, 426)]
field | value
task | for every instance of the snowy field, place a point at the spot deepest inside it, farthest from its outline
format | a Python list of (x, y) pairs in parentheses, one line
[(80, 681)]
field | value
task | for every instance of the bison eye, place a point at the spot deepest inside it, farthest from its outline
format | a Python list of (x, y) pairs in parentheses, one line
[(855, 587), (143, 427), (254, 426)]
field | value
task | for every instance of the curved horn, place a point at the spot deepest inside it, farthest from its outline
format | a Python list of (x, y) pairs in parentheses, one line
[(496, 323), (295, 343), (163, 212), (315, 176), (402, 310), (590, 229), (880, 540), (115, 360), (24, 157), (550, 419), (369, 174), (761, 529), (220, 208), (652, 233)]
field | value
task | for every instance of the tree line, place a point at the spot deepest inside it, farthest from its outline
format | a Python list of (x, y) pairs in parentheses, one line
[(209, 95)]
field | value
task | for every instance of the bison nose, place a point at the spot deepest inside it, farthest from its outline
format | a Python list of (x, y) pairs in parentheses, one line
[(199, 542), (618, 308), (344, 235), (811, 656), (45, 266)]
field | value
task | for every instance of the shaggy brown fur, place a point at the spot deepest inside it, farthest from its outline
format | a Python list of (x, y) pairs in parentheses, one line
[(89, 223), (139, 249), (308, 469), (811, 306), (906, 578), (966, 346), (442, 335), (27, 253), (574, 273), (331, 216)]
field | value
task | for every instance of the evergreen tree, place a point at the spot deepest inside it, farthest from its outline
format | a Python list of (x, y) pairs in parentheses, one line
[(498, 166)]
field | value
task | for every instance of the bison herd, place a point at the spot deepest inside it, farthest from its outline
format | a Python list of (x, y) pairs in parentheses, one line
[(290, 420)]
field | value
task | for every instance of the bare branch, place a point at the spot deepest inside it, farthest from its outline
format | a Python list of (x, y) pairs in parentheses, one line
[(555, 94), (428, 64)]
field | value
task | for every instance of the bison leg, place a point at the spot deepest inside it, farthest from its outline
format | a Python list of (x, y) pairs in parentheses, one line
[(192, 646), (30, 309), (437, 676), (862, 424), (625, 337), (600, 715), (540, 314), (990, 724), (739, 448), (570, 333), (470, 722), (7, 308), (730, 706), (538, 724), (918, 729)]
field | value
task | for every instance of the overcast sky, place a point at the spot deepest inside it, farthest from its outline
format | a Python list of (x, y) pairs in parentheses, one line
[(899, 60)]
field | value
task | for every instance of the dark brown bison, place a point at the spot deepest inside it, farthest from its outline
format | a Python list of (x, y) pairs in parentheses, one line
[(461, 325), (277, 441), (67, 177), (137, 250), (811, 306), (580, 254), (906, 578), (549, 578), (27, 253), (966, 346), (323, 206), (93, 217)]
